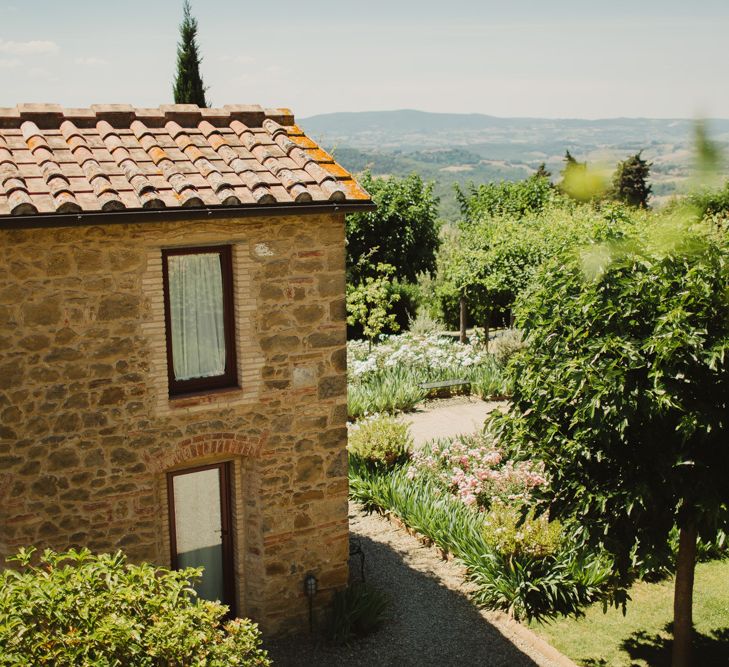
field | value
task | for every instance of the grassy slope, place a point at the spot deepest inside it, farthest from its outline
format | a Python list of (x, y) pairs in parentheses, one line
[(641, 637)]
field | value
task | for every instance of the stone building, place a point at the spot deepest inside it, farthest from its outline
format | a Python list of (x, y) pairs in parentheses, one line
[(172, 345)]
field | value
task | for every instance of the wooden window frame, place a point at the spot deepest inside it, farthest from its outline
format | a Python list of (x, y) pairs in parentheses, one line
[(226, 526), (229, 379)]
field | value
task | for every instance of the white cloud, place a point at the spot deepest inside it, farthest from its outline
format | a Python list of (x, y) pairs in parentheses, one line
[(238, 60), (32, 47), (91, 61), (9, 63)]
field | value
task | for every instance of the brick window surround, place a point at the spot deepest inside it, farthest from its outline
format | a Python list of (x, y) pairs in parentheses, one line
[(249, 356)]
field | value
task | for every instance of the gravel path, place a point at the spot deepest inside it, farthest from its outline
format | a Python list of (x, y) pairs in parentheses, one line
[(449, 416), (430, 619)]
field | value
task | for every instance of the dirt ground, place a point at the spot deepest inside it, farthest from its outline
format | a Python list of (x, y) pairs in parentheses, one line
[(450, 416)]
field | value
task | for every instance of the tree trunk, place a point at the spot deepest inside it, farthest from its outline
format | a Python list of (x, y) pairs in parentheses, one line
[(683, 597), (486, 329), (462, 303)]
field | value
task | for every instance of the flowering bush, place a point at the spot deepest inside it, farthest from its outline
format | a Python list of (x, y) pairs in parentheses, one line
[(386, 377), (540, 582), (475, 470), (430, 353)]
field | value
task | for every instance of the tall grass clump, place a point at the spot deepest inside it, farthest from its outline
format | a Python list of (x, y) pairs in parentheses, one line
[(389, 391), (356, 611)]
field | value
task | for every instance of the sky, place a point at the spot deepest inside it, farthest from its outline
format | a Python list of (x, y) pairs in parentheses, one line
[(535, 58)]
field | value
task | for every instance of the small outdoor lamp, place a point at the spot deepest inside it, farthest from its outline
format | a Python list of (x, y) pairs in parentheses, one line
[(310, 587)]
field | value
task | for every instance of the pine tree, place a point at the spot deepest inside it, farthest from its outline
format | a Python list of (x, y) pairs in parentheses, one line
[(188, 87), (630, 183), (543, 172)]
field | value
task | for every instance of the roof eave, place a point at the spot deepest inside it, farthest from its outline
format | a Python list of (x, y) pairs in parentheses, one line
[(144, 215)]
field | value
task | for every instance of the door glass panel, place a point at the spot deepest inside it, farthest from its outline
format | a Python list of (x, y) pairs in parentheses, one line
[(198, 528)]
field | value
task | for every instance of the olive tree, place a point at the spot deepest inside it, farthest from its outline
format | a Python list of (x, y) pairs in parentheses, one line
[(623, 392)]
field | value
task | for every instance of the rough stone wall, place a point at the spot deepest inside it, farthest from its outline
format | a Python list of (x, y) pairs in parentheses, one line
[(87, 431)]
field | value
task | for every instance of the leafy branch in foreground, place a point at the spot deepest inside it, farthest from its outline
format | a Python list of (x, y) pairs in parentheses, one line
[(77, 608)]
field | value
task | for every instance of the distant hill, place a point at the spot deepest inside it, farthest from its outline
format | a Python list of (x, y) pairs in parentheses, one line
[(363, 128), (457, 148)]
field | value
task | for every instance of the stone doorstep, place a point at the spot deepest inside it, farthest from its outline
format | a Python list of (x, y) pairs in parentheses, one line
[(506, 624)]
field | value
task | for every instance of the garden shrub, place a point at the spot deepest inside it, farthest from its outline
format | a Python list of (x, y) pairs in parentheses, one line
[(356, 611), (388, 391), (541, 588), (506, 345), (77, 609), (487, 380), (380, 440), (509, 533), (657, 565), (424, 324)]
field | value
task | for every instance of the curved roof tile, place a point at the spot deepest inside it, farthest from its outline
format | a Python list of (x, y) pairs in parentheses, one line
[(113, 157)]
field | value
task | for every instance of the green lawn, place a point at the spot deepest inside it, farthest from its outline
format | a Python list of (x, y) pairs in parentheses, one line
[(641, 637)]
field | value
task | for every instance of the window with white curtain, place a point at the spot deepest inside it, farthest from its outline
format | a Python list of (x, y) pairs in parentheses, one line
[(198, 286)]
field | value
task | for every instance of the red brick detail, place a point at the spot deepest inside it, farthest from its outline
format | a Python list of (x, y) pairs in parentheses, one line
[(201, 446)]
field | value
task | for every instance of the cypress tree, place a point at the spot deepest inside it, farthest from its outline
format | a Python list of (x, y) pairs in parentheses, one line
[(188, 87), (630, 183)]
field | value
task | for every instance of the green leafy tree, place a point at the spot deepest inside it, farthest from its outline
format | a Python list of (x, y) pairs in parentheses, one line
[(76, 608), (712, 204), (493, 260), (370, 302), (188, 87), (402, 232), (518, 198), (630, 182), (623, 392)]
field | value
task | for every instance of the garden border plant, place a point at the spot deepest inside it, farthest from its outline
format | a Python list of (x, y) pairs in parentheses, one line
[(525, 586), (387, 377)]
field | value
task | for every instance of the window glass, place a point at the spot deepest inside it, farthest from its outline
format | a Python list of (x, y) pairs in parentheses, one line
[(199, 319), (196, 315)]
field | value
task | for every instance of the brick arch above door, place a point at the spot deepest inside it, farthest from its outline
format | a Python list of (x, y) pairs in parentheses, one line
[(203, 446)]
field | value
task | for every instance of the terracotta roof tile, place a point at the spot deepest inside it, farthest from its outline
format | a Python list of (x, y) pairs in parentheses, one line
[(97, 176), (111, 157), (64, 200)]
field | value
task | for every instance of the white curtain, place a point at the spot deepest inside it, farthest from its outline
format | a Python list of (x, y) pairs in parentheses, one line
[(196, 313)]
